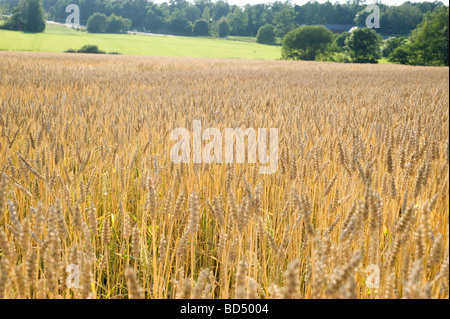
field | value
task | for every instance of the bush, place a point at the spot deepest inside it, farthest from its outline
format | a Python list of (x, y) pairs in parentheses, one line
[(16, 21), (340, 39), (266, 34), (201, 27), (97, 23), (306, 43), (338, 57), (89, 48), (224, 28), (400, 55), (391, 44)]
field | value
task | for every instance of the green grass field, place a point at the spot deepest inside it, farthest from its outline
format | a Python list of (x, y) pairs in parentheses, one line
[(59, 39)]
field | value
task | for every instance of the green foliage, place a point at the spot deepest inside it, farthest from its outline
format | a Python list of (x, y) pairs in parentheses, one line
[(181, 26), (97, 23), (331, 56), (206, 15), (364, 46), (284, 22), (429, 43), (88, 48), (391, 44), (400, 55), (340, 39), (244, 20), (306, 43), (400, 19), (154, 20), (116, 24), (192, 13), (16, 21), (266, 34), (224, 28), (201, 28), (92, 49), (238, 21), (27, 16), (35, 17), (430, 40)]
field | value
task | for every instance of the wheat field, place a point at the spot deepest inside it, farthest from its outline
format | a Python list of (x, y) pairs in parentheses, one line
[(91, 206)]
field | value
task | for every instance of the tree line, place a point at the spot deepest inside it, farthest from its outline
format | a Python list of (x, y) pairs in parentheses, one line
[(428, 44), (220, 18)]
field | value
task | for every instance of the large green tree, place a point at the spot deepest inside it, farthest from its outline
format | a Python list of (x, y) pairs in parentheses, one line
[(35, 17), (116, 24), (201, 27), (266, 34), (181, 26), (28, 16), (224, 28), (306, 43), (97, 23), (430, 40), (284, 22), (238, 21), (192, 13), (363, 46), (154, 19)]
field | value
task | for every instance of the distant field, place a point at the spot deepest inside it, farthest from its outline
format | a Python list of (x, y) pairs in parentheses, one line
[(59, 39)]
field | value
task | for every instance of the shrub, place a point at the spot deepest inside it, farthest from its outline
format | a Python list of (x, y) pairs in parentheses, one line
[(340, 39), (16, 21), (400, 55), (391, 44), (89, 48), (266, 34)]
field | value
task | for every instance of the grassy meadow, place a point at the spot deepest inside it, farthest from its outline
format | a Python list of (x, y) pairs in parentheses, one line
[(87, 184), (60, 39)]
